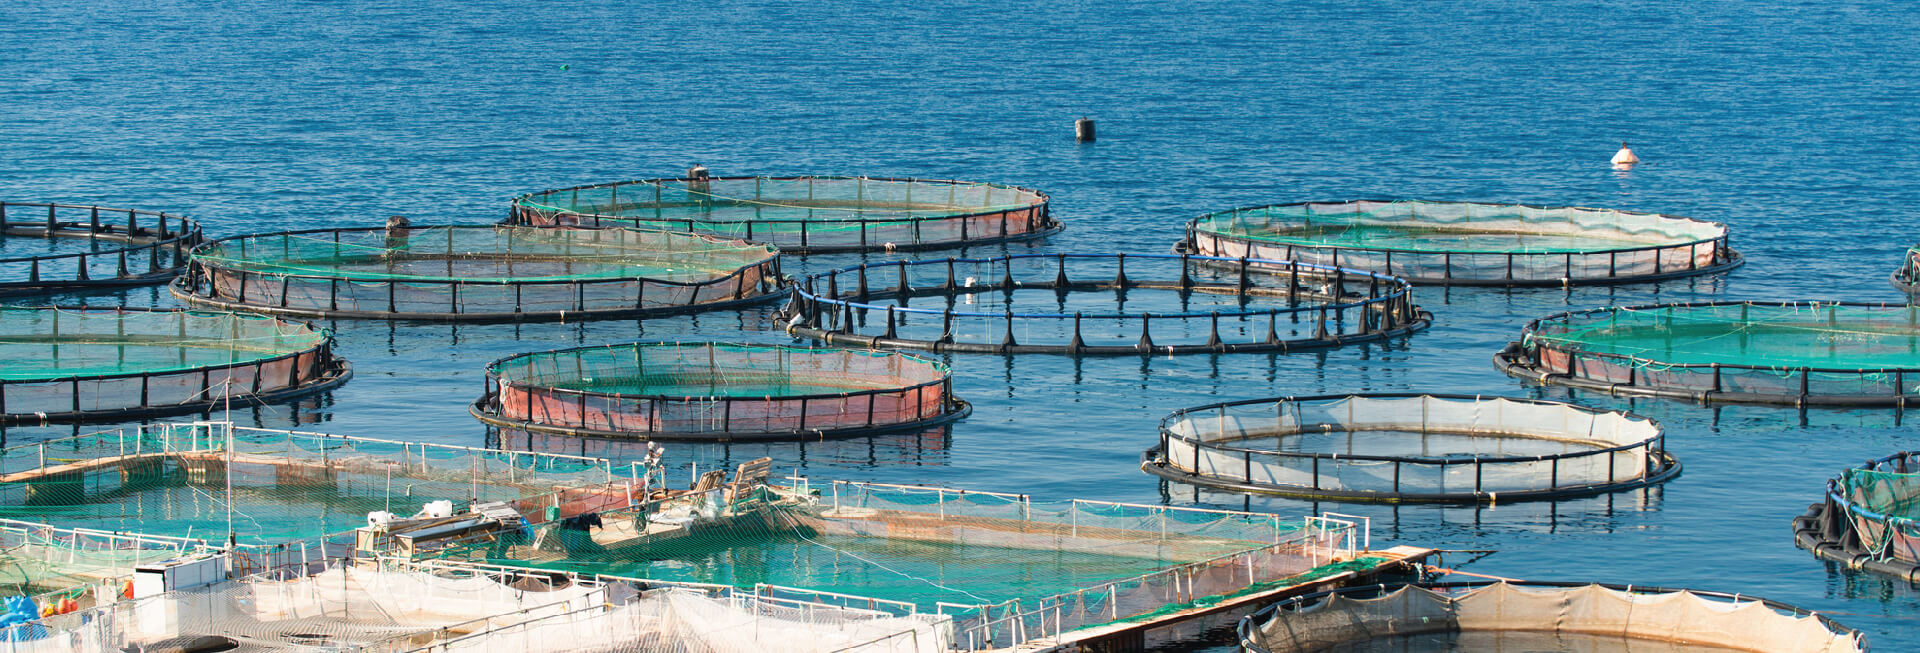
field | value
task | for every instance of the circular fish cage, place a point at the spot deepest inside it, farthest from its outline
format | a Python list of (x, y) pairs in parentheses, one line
[(1867, 520), (1788, 353), (1525, 616), (1907, 277), (805, 215), (717, 391), (68, 364), (1410, 448), (1470, 244), (1102, 304), (51, 248), (479, 273)]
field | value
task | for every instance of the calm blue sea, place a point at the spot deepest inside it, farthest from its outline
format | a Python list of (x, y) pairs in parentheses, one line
[(1792, 121)]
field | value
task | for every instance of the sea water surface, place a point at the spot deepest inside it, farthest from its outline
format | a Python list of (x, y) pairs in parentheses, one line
[(1791, 121)]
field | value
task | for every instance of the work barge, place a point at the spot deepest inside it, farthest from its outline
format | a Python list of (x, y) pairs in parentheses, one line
[(214, 518)]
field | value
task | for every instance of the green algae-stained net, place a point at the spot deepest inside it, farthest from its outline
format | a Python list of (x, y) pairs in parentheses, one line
[(480, 273), (806, 214), (1794, 353), (1465, 243), (90, 364)]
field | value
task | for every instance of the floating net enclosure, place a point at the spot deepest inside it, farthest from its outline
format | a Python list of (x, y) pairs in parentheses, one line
[(717, 391), (1522, 616), (805, 215), (49, 248), (393, 606), (479, 273), (1410, 448), (1102, 304), (1463, 243), (1007, 569), (1794, 353), (90, 364), (1867, 520), (178, 480), (1907, 278)]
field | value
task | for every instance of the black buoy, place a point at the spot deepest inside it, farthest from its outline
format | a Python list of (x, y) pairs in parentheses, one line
[(1083, 130)]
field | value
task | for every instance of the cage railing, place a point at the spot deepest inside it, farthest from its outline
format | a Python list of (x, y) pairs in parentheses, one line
[(147, 235), (1340, 305), (824, 230)]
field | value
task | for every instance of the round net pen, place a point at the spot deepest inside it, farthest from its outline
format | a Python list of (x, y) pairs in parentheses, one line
[(70, 364), (1788, 353), (1468, 244), (1867, 520), (1102, 304), (717, 391), (1410, 448), (1907, 278), (479, 273), (805, 215), (1512, 615), (52, 248)]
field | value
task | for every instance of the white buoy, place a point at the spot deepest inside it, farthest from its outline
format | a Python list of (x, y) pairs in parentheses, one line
[(1625, 158), (1083, 130)]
